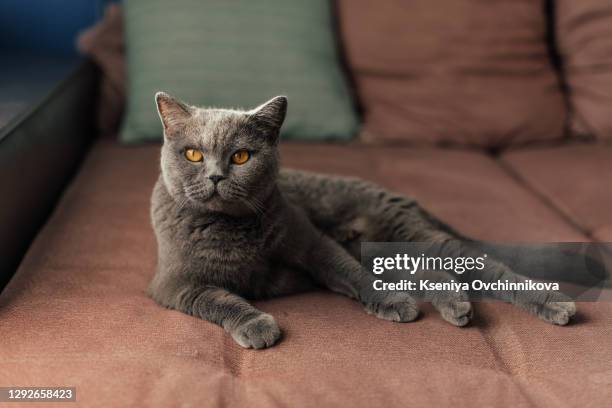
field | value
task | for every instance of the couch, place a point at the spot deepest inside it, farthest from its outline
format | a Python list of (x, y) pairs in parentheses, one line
[(75, 313)]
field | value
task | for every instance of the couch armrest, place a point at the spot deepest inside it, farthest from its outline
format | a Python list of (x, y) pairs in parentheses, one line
[(40, 149)]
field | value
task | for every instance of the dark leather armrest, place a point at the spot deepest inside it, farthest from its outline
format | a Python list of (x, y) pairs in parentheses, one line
[(39, 153)]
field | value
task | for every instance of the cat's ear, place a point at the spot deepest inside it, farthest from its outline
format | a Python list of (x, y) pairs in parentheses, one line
[(173, 113), (269, 116)]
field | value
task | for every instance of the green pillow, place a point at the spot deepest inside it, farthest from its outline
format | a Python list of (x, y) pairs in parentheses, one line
[(237, 53)]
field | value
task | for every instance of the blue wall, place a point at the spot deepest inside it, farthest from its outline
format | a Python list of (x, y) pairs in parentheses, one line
[(46, 26)]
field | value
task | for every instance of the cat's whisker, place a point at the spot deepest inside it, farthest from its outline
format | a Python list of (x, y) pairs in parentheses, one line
[(194, 186), (254, 209), (181, 204), (240, 193), (255, 202), (258, 202), (196, 192)]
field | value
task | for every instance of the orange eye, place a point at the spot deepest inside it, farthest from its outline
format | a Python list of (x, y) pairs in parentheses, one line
[(194, 155), (240, 157)]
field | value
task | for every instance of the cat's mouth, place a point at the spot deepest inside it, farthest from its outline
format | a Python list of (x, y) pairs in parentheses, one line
[(211, 195), (219, 198), (216, 196)]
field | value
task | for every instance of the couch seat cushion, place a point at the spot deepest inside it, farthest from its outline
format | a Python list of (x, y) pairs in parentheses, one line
[(76, 312), (575, 179)]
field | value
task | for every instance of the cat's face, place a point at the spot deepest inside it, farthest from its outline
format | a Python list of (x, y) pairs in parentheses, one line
[(220, 160)]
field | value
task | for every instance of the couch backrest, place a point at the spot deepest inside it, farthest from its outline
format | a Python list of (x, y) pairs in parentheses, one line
[(453, 71), (584, 39)]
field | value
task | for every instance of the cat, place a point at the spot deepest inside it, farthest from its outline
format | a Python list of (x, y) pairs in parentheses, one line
[(231, 226)]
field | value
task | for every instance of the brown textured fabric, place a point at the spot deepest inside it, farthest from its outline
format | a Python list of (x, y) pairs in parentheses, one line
[(584, 36), (104, 44), (76, 312), (453, 71), (576, 179)]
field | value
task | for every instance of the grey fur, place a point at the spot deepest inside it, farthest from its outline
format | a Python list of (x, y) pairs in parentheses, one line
[(262, 232)]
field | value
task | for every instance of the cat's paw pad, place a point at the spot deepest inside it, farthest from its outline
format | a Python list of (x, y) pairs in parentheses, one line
[(257, 333), (558, 313), (397, 307)]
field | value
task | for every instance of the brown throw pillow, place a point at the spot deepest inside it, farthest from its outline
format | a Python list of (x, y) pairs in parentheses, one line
[(584, 32), (453, 71), (104, 44)]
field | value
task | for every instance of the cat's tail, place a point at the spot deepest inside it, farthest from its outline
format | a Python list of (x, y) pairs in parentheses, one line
[(584, 263)]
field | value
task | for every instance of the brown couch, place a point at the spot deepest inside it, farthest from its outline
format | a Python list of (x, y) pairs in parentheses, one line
[(76, 313)]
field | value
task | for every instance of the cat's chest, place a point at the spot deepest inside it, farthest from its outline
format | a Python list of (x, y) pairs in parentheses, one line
[(226, 244), (219, 235)]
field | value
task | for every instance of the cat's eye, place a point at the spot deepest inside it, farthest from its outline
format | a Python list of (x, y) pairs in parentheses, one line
[(240, 157), (194, 155)]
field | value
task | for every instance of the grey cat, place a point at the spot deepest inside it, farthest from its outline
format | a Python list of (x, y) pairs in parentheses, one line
[(231, 226)]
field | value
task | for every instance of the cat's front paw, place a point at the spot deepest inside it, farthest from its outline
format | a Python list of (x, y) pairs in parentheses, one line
[(395, 306), (259, 332)]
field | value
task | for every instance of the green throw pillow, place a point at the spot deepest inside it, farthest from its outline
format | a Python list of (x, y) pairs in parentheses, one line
[(237, 54)]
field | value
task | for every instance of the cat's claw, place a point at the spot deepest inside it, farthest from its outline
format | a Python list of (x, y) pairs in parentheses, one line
[(260, 332), (396, 307)]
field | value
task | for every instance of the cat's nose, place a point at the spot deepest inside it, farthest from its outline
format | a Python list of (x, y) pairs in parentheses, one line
[(216, 178)]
